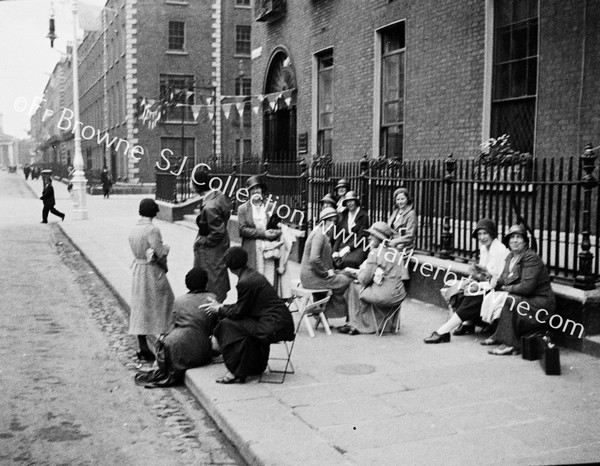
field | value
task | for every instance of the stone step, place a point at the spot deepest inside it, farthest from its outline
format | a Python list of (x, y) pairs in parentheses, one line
[(591, 345)]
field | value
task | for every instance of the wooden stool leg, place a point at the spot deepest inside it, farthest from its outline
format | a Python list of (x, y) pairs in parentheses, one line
[(308, 326), (325, 323)]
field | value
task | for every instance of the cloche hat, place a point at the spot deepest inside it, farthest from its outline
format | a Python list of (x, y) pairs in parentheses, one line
[(516, 229), (327, 213), (351, 196), (343, 183), (255, 181), (487, 225), (381, 230)]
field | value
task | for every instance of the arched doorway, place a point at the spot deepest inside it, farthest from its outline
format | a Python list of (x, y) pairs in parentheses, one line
[(279, 110)]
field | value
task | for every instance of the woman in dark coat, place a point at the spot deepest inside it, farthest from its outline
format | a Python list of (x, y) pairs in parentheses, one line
[(527, 282), (351, 245), (187, 344), (247, 328), (106, 180)]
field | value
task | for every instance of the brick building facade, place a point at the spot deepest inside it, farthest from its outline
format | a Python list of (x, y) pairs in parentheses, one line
[(412, 79), (155, 52)]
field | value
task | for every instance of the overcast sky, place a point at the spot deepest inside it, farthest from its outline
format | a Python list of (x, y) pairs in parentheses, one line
[(26, 59)]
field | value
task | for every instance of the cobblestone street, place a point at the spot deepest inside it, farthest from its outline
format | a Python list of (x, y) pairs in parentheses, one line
[(67, 373)]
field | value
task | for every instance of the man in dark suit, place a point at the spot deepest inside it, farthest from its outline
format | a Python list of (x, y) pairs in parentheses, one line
[(48, 197), (248, 327)]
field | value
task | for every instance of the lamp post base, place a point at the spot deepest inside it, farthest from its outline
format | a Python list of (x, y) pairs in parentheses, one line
[(79, 197)]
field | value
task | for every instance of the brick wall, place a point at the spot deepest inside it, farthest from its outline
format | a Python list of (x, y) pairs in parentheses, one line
[(444, 86)]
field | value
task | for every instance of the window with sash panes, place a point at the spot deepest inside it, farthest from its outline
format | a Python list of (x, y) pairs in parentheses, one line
[(177, 89), (392, 92), (325, 103), (243, 87), (515, 64), (176, 35), (242, 40)]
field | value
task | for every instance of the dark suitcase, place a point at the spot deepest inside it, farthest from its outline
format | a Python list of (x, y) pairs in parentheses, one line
[(549, 356)]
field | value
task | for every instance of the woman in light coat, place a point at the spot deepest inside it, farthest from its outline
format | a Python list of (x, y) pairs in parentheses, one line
[(316, 271), (152, 297), (258, 230), (403, 221), (380, 288)]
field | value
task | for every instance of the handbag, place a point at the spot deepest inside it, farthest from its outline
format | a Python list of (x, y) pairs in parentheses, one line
[(271, 249)]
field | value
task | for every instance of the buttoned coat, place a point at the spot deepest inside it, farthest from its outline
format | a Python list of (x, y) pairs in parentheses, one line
[(404, 223), (212, 241), (355, 238), (152, 297), (48, 195)]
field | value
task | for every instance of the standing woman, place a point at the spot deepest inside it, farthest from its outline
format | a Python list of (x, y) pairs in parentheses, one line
[(258, 229), (404, 221), (106, 180), (152, 297), (316, 271)]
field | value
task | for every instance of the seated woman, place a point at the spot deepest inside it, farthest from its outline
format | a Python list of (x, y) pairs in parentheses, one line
[(340, 190), (527, 283), (492, 254), (247, 328), (258, 229), (350, 248), (403, 221), (380, 288), (316, 271), (187, 344)]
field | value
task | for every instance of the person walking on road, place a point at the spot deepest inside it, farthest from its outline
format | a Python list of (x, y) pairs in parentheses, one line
[(152, 297), (106, 180), (48, 197), (213, 239)]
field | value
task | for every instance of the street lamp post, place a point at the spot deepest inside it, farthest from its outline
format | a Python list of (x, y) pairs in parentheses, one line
[(79, 181)]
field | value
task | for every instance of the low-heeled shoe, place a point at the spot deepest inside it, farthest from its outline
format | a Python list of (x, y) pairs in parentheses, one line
[(437, 338)]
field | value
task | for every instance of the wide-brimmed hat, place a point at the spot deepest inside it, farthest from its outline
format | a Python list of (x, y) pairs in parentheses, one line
[(254, 181), (343, 183), (516, 229), (487, 225), (351, 196), (148, 208), (381, 230), (329, 199), (327, 213), (46, 172)]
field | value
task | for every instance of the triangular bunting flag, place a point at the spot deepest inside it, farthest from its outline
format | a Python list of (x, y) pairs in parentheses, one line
[(188, 94), (288, 101), (240, 108), (226, 110), (260, 98), (196, 111), (211, 114), (272, 103), (255, 108), (209, 101)]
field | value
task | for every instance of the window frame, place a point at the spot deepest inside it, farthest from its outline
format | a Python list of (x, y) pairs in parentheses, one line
[(172, 114), (171, 37), (243, 46), (324, 132)]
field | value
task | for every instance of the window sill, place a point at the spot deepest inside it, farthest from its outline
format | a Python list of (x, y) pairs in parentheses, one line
[(177, 52), (241, 55), (175, 122), (177, 2), (243, 7)]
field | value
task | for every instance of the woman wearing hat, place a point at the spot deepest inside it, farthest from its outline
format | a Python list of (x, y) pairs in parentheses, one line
[(328, 201), (258, 229), (351, 248), (403, 221), (187, 344), (527, 283), (317, 271), (380, 288), (152, 297), (484, 276), (340, 191)]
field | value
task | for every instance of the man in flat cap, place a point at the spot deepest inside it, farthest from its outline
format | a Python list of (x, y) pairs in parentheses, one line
[(48, 197)]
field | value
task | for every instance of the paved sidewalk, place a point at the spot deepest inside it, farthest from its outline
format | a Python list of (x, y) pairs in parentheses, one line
[(368, 400)]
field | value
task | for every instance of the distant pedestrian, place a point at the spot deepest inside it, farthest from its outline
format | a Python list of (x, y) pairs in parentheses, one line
[(106, 180), (152, 297), (213, 238), (70, 171), (35, 172), (48, 197), (27, 171)]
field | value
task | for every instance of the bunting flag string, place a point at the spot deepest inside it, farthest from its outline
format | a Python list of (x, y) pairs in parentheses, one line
[(150, 111)]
